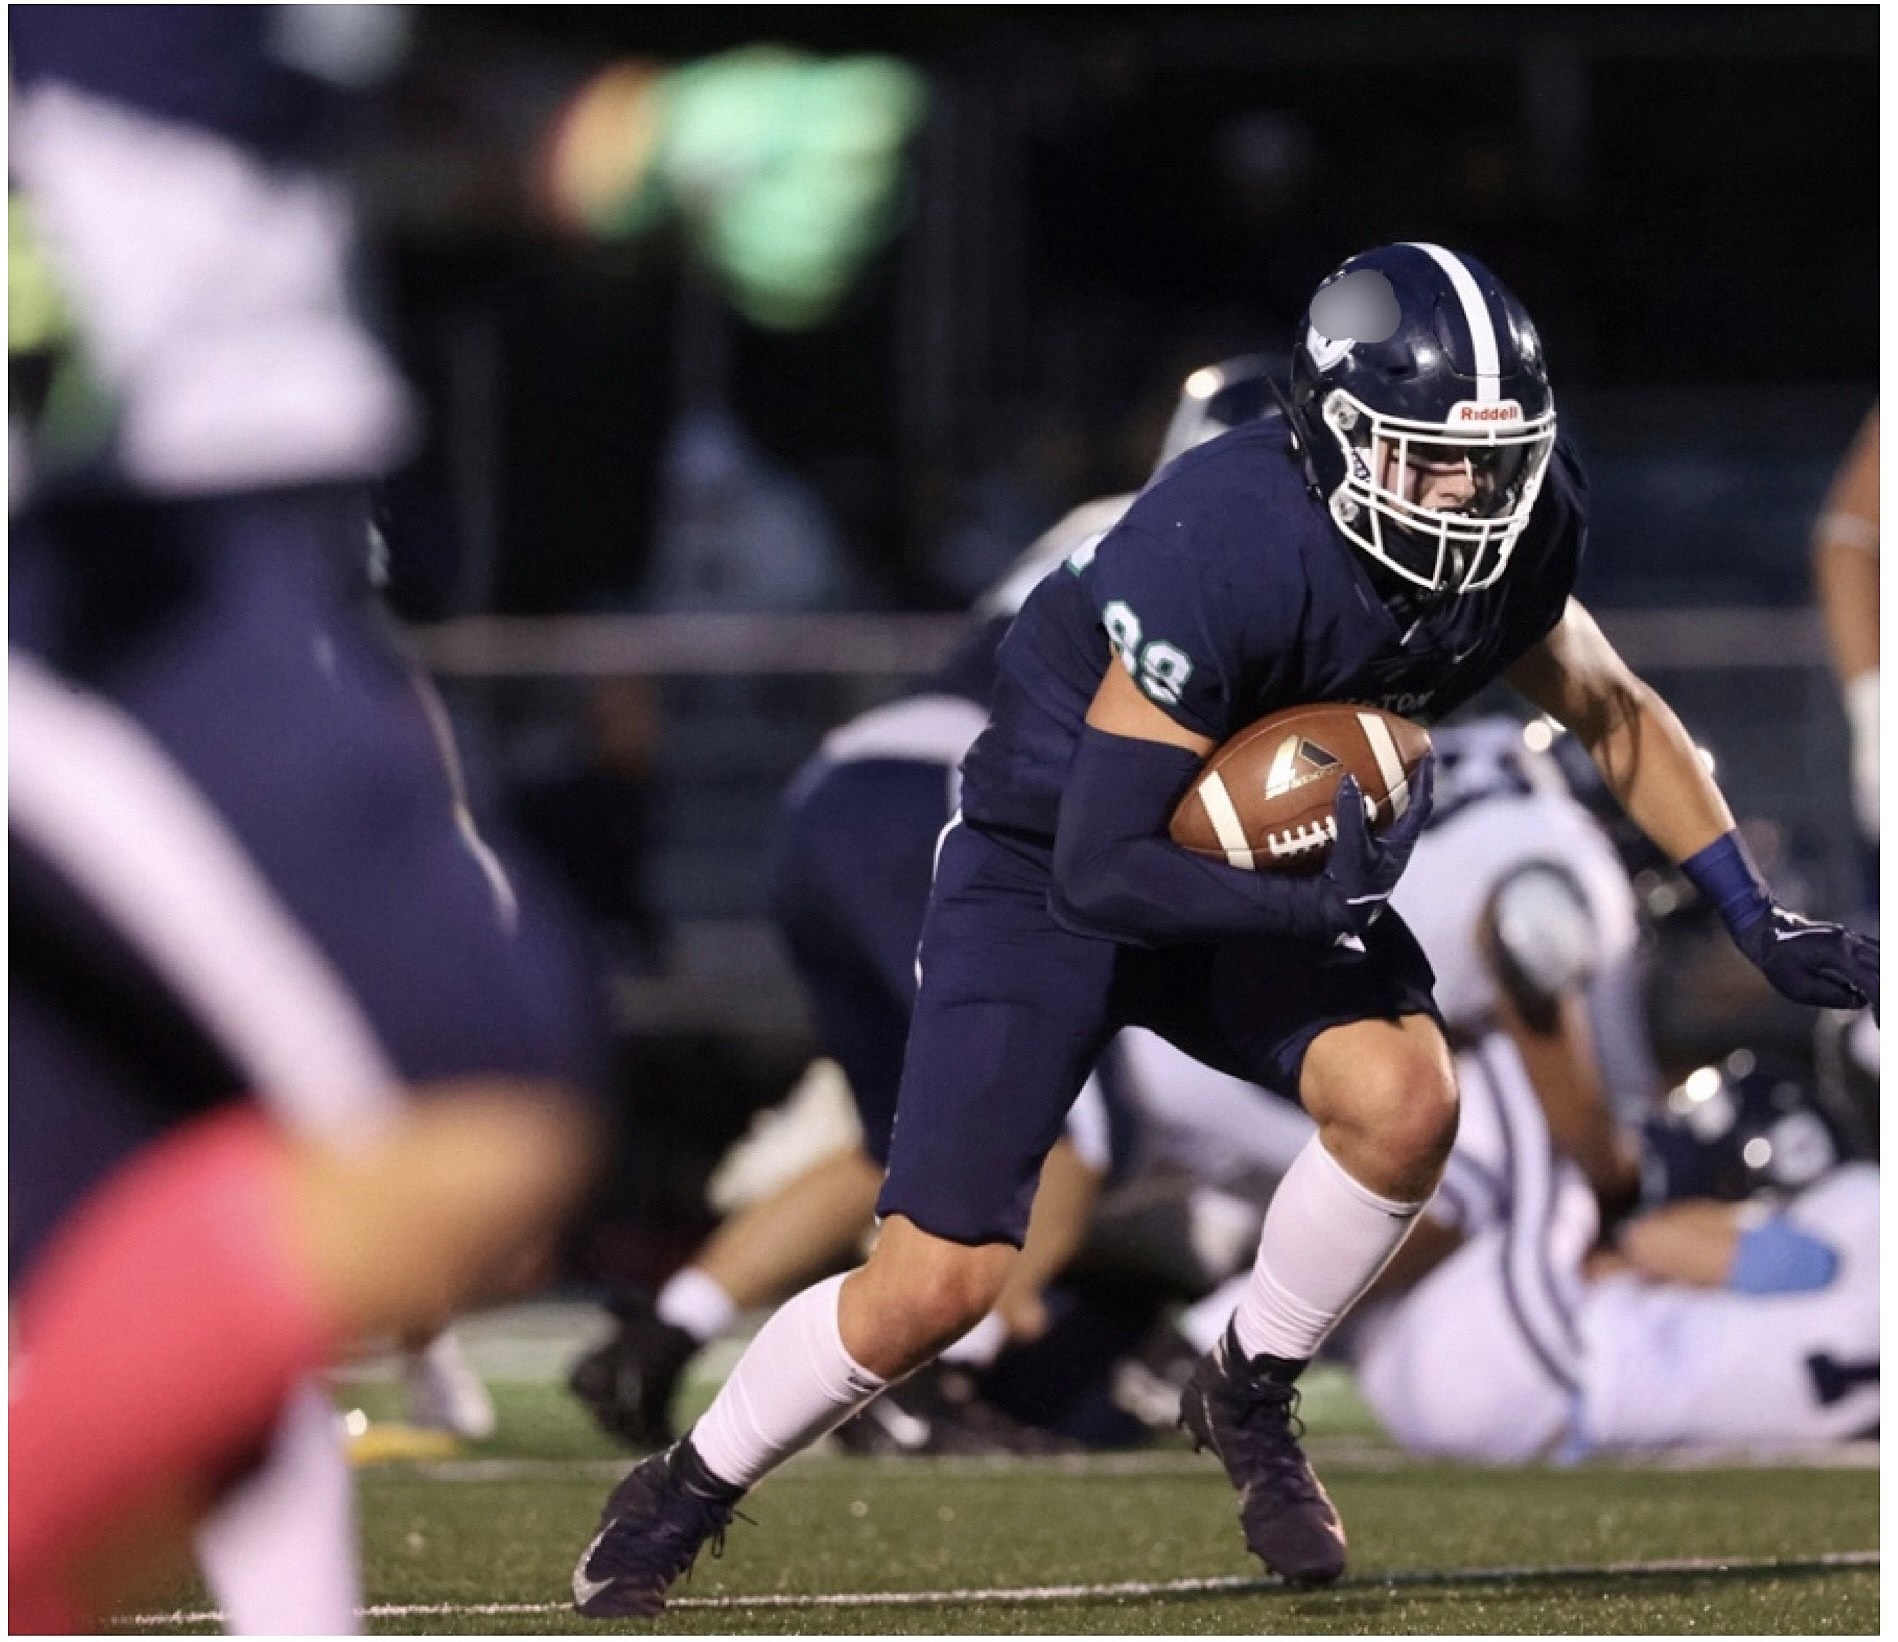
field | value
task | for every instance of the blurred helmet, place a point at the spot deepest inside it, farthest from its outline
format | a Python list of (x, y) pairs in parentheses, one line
[(1217, 397), (1411, 361), (1845, 1074), (1744, 1127)]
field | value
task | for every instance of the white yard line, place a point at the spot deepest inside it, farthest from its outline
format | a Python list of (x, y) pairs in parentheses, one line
[(1362, 1453), (1179, 1464), (1236, 1584)]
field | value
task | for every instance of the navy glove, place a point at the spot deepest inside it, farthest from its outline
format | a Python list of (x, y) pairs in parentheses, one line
[(1817, 963), (1810, 962), (1364, 867)]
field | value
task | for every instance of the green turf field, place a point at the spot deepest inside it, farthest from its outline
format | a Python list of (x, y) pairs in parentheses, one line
[(1141, 1544)]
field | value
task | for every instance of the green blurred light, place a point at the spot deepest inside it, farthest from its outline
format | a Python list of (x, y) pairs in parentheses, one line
[(787, 171), (38, 319)]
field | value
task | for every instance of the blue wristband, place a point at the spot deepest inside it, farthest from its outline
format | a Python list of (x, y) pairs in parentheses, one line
[(1776, 1257), (1724, 873)]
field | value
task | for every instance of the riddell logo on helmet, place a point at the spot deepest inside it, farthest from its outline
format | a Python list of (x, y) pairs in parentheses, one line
[(1500, 410)]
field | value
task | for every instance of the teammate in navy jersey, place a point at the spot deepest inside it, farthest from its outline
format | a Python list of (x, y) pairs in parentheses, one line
[(1407, 533)]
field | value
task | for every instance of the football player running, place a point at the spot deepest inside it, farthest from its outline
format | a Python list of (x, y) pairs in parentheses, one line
[(1409, 531), (852, 858)]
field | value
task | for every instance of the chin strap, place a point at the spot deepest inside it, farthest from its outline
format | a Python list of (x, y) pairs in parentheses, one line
[(1301, 440)]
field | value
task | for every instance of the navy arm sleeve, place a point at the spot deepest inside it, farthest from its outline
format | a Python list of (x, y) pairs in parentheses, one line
[(1118, 875)]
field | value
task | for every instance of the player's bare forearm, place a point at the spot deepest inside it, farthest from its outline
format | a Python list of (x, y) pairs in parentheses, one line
[(1845, 556), (1644, 753), (1691, 1241), (1652, 767)]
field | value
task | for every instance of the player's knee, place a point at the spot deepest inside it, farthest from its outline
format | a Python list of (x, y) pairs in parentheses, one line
[(917, 1294), (1394, 1127)]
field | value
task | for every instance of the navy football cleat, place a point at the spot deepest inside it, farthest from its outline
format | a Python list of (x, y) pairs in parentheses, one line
[(655, 1524), (1250, 1421)]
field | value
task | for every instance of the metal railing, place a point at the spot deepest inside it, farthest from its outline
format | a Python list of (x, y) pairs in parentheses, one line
[(682, 646)]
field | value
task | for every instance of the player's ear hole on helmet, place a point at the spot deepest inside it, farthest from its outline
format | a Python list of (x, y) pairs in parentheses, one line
[(1361, 307)]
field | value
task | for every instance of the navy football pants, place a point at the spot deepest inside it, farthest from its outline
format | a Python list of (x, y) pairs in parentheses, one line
[(1014, 1009)]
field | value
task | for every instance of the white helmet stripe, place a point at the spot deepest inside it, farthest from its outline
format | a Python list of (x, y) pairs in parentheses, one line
[(1475, 315)]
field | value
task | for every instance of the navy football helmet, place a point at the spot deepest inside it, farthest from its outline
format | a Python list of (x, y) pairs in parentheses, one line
[(1413, 362), (1217, 397), (1733, 1131)]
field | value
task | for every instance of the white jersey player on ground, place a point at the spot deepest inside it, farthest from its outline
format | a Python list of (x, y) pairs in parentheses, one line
[(1528, 1343)]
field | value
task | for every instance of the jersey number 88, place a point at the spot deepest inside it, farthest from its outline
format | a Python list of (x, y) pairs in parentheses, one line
[(1159, 668)]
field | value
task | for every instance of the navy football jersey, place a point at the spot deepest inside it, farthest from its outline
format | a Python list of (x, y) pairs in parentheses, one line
[(1228, 594)]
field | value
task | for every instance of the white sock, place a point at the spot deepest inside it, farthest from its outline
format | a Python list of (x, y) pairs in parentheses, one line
[(981, 1345), (794, 1382), (279, 1551), (1324, 1240), (694, 1302)]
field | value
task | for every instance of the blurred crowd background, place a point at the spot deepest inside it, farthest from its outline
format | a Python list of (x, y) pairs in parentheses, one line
[(1096, 201)]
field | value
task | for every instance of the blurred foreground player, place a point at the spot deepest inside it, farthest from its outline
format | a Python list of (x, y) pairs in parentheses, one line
[(170, 152), (248, 918), (1411, 533), (852, 859)]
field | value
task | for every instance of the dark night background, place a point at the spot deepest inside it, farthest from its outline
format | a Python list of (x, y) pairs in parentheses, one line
[(1683, 196)]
